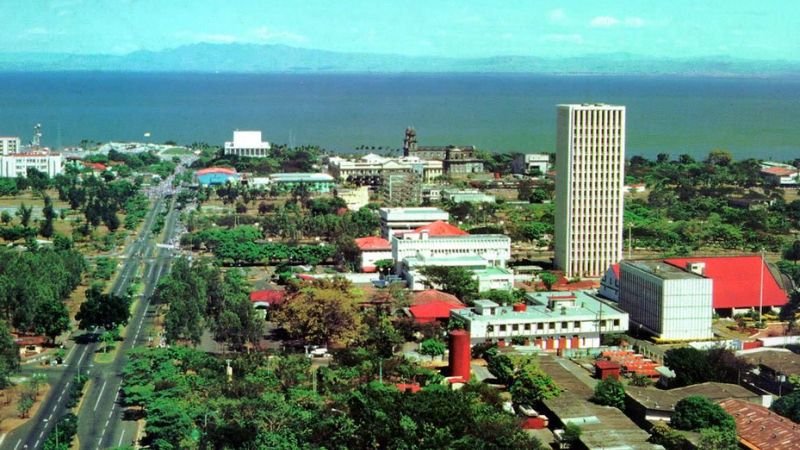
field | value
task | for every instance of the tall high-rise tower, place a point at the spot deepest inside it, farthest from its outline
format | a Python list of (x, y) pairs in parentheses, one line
[(590, 172)]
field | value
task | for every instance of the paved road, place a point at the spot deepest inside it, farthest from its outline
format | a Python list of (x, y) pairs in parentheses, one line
[(103, 426), (32, 434)]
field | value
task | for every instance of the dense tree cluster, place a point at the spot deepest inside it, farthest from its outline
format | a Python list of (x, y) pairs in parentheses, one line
[(281, 403), (694, 204), (34, 285), (281, 159), (717, 427), (241, 245), (200, 298), (692, 366)]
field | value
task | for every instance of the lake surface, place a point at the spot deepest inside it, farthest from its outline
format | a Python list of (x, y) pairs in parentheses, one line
[(749, 117)]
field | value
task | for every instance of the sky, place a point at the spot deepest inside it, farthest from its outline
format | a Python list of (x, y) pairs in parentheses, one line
[(746, 29)]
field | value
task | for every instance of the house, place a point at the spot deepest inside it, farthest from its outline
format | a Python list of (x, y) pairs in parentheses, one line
[(536, 164), (484, 272), (780, 175), (648, 404), (314, 182), (758, 428), (466, 196), (267, 299), (773, 367), (373, 249), (433, 306)]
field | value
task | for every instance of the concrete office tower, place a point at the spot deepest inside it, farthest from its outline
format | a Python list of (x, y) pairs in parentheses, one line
[(590, 173)]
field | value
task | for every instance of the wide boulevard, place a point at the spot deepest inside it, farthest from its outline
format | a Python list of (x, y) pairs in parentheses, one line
[(100, 423)]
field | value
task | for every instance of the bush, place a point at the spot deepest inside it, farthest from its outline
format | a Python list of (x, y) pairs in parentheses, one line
[(610, 392)]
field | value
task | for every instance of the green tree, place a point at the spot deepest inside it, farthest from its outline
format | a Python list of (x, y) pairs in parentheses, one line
[(548, 279), (432, 348), (689, 364), (107, 338), (499, 365), (610, 392), (719, 439), (46, 227), (51, 318), (531, 385), (9, 355), (321, 312), (695, 412), (572, 434), (788, 405), (453, 280), (107, 311), (5, 217), (25, 213)]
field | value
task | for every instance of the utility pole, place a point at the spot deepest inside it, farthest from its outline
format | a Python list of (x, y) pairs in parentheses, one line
[(761, 286)]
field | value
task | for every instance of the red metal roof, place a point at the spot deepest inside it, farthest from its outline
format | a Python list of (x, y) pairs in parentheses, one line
[(779, 171), (271, 296), (433, 296), (760, 428), (373, 243), (440, 228), (433, 311), (216, 170), (615, 268), (95, 166), (737, 281)]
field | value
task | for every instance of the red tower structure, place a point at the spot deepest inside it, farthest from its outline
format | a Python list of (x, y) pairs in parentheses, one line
[(460, 354)]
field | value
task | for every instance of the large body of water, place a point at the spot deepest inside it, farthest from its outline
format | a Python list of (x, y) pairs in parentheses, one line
[(749, 117)]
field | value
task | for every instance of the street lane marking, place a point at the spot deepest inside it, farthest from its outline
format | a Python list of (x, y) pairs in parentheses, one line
[(99, 396), (18, 442), (119, 444)]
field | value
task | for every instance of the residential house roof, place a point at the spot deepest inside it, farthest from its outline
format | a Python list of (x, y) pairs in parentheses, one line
[(433, 311), (737, 281), (373, 243), (268, 296), (760, 428)]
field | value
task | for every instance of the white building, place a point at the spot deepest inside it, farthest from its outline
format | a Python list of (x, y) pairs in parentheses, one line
[(547, 320), (466, 195), (441, 240), (9, 145), (609, 284), (590, 165), (779, 174), (666, 301), (373, 249), (531, 163), (396, 220), (371, 169), (15, 161), (247, 144), (488, 276)]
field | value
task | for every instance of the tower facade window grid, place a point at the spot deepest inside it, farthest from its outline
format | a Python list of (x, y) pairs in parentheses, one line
[(590, 170)]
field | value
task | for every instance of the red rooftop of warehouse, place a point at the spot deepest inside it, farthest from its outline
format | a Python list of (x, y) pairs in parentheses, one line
[(779, 171), (737, 281), (441, 228), (373, 243), (216, 170)]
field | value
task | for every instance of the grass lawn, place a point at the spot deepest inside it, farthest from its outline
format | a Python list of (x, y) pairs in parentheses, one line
[(177, 151), (32, 199), (106, 357), (9, 416)]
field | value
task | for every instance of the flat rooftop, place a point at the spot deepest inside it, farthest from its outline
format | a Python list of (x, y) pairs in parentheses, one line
[(665, 400), (587, 307), (662, 270)]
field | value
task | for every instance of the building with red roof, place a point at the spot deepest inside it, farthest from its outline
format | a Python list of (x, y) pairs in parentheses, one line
[(267, 298), (737, 281), (440, 228), (436, 311), (434, 296), (373, 249), (780, 175), (216, 175), (758, 428)]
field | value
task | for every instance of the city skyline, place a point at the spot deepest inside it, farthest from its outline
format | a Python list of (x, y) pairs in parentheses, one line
[(682, 29)]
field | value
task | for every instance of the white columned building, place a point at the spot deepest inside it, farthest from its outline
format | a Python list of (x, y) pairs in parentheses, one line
[(247, 144), (590, 173)]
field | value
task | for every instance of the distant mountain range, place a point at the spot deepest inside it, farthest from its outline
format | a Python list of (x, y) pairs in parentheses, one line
[(252, 58)]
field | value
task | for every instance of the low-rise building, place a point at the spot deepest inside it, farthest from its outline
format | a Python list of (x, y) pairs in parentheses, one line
[(781, 175), (247, 144), (433, 306), (442, 240), (488, 276), (314, 182), (9, 144), (772, 368), (648, 404), (534, 164), (547, 320), (371, 169), (214, 176), (665, 301), (609, 284), (373, 249), (401, 220), (466, 195), (457, 160), (758, 428), (401, 189), (16, 165)]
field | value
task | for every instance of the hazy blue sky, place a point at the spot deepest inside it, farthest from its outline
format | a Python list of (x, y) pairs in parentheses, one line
[(763, 29)]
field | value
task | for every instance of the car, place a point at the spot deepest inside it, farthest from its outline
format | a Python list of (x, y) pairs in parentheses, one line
[(319, 352)]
